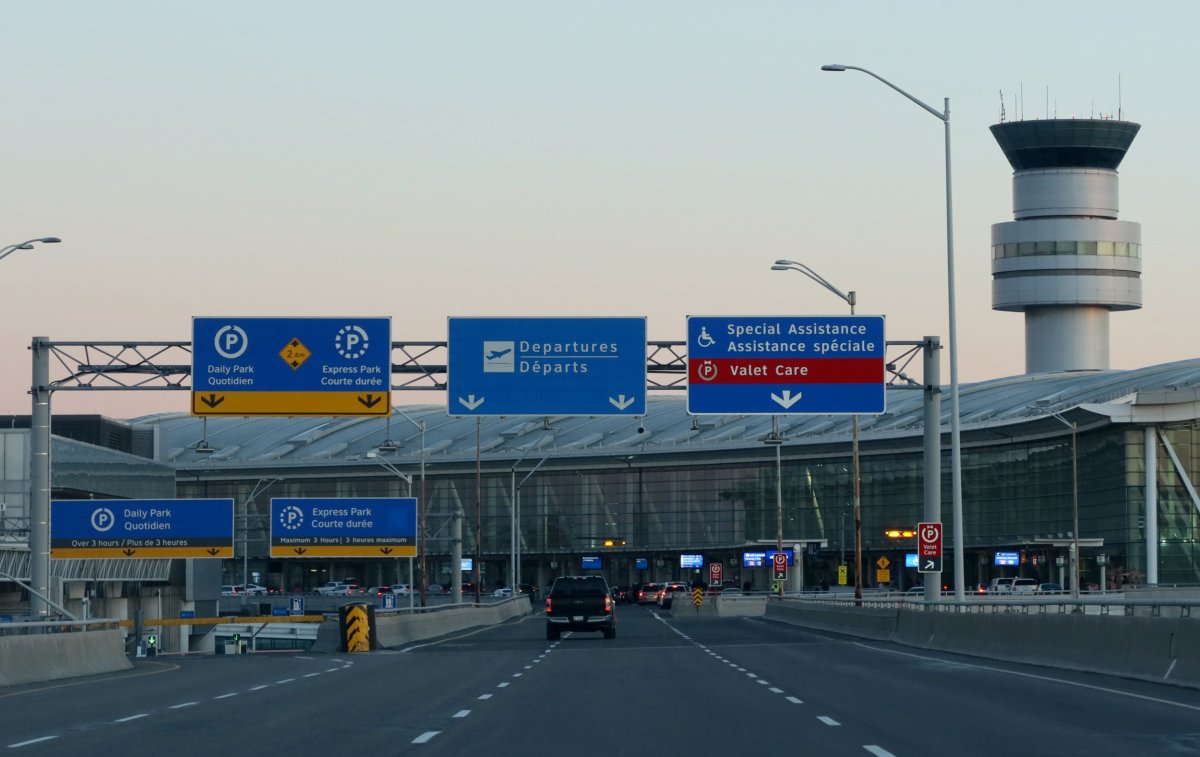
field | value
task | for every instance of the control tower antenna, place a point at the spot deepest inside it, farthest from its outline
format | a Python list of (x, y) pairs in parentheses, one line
[(1001, 106)]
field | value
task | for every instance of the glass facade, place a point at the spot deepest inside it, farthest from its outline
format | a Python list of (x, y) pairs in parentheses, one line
[(1061, 247), (1017, 496)]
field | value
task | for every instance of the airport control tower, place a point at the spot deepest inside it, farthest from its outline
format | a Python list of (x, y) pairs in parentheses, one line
[(1066, 261)]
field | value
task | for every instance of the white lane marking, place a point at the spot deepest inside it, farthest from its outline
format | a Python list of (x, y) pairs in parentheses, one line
[(535, 662), (311, 675), (878, 751), (774, 690), (345, 666), (330, 670), (226, 696), (181, 706), (285, 680), (425, 737), (517, 675), (529, 667), (794, 700), (762, 682), (337, 660), (485, 696), (751, 675), (501, 685), (827, 720), (259, 688), (31, 741), (740, 670), (462, 713), (139, 716), (1036, 677), (302, 657)]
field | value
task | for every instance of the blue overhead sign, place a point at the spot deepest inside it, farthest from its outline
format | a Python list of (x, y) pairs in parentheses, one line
[(344, 527), (785, 365), (139, 528), (547, 366), (291, 366)]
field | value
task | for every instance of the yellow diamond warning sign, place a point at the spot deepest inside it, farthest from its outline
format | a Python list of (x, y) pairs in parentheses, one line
[(295, 353)]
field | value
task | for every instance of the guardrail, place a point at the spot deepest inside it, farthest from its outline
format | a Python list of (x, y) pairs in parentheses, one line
[(28, 627), (1112, 603)]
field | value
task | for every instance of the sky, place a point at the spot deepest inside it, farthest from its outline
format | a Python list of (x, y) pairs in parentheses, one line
[(423, 160)]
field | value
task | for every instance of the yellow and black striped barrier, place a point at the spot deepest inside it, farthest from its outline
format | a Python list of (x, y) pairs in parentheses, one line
[(357, 624)]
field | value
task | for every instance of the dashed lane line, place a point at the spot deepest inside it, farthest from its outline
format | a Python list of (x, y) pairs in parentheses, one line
[(485, 696), (139, 716), (31, 741), (425, 737), (226, 696), (182, 705), (827, 720), (878, 751), (793, 700), (462, 713)]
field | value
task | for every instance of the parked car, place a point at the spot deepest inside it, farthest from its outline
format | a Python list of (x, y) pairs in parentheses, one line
[(229, 590), (1049, 588), (333, 589), (378, 591), (1001, 586), (1024, 586), (254, 590), (402, 589), (436, 589)]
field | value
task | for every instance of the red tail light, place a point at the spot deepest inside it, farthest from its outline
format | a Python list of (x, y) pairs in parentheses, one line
[(548, 600), (607, 604)]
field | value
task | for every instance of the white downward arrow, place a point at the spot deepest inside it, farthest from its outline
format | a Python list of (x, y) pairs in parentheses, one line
[(470, 402), (787, 400), (620, 402)]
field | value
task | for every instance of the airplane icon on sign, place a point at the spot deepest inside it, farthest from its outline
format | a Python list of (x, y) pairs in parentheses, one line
[(494, 354)]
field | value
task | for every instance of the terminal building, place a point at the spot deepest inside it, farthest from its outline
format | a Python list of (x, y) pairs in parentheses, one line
[(1069, 441)]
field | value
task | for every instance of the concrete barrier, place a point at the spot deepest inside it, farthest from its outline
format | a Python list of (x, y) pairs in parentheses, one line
[(1163, 650), (395, 630), (51, 656)]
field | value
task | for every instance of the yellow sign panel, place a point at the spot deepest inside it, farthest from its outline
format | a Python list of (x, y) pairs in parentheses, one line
[(883, 563), (291, 403), (138, 553), (353, 550), (883, 576), (842, 575), (295, 353)]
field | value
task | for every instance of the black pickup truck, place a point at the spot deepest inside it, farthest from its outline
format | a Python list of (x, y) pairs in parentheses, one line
[(580, 603)]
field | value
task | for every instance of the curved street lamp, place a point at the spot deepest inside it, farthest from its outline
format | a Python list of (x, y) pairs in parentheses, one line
[(851, 299), (955, 445), (26, 245)]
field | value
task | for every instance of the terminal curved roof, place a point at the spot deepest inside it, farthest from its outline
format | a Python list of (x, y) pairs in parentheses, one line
[(668, 429)]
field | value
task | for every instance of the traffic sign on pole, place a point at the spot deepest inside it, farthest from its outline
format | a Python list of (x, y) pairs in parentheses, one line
[(929, 547), (291, 366), (546, 366), (786, 365), (779, 566), (346, 527), (141, 528)]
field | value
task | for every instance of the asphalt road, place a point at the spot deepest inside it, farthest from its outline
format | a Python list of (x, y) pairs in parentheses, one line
[(665, 686)]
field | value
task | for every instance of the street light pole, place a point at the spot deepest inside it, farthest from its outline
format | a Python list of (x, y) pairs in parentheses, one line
[(26, 245), (955, 444), (851, 299), (421, 508)]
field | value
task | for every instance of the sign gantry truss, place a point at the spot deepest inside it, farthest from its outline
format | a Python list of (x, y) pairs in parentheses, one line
[(416, 365)]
